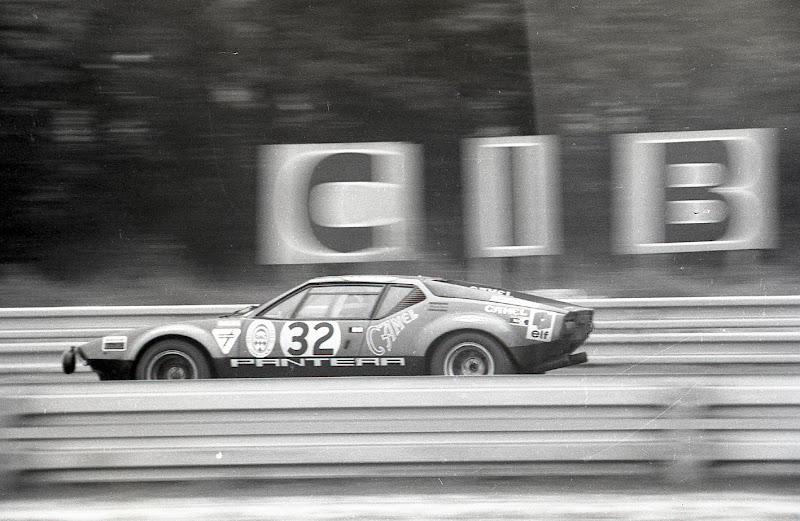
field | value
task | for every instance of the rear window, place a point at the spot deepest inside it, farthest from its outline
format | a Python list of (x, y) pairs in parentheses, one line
[(397, 298)]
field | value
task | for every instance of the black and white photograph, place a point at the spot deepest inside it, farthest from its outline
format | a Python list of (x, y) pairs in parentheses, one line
[(399, 260)]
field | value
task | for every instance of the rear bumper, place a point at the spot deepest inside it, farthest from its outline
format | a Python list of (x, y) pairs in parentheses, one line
[(558, 363), (546, 356), (541, 358)]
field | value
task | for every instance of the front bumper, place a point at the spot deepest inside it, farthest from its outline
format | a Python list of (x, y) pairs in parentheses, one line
[(106, 369)]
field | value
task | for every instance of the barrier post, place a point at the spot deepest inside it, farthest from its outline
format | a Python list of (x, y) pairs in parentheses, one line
[(8, 465), (688, 464)]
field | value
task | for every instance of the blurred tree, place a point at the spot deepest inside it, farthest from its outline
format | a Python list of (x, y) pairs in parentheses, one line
[(185, 94), (139, 122), (46, 129)]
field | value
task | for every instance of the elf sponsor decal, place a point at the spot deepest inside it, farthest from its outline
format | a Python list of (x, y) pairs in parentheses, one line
[(260, 339), (541, 326), (539, 323), (319, 362), (310, 339), (381, 337), (226, 338)]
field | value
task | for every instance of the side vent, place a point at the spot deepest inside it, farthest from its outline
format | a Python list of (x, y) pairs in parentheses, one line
[(437, 306), (415, 297)]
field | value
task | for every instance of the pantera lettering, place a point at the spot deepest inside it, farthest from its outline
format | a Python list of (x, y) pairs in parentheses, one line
[(388, 330), (318, 362)]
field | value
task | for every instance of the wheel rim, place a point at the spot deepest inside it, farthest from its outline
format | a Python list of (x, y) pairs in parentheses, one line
[(468, 359), (171, 365)]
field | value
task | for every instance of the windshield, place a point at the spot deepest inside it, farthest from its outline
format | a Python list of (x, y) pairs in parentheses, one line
[(242, 311)]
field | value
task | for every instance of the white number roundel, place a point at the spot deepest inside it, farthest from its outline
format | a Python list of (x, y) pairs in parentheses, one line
[(310, 339), (260, 338)]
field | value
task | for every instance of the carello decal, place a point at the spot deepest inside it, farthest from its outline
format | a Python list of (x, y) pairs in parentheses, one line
[(673, 192)]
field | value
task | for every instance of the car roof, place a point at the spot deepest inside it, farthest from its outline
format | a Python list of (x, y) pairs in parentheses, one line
[(378, 279)]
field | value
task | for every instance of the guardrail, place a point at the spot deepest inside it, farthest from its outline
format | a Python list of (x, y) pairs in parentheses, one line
[(698, 335), (673, 428), (632, 336), (33, 339)]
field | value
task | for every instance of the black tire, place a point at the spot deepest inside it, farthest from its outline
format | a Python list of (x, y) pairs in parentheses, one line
[(470, 354), (172, 360)]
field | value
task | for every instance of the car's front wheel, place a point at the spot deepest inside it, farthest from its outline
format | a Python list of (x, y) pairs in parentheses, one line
[(172, 360), (470, 354)]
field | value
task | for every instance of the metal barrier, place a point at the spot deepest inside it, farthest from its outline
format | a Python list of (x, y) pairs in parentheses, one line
[(680, 428), (33, 339), (632, 336), (694, 335)]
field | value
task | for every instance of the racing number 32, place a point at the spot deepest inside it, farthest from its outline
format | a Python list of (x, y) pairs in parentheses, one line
[(310, 339)]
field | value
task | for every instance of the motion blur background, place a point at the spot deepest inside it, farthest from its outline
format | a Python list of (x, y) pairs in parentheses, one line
[(130, 130), (130, 134)]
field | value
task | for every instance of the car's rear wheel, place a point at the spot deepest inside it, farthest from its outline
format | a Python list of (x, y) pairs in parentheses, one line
[(173, 360), (470, 354)]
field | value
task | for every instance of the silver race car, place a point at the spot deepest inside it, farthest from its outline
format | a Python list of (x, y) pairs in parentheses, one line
[(355, 325)]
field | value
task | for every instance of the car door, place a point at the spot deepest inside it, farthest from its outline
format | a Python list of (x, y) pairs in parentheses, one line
[(319, 330)]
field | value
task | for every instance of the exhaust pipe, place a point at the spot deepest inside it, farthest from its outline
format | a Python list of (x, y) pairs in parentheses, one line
[(558, 363)]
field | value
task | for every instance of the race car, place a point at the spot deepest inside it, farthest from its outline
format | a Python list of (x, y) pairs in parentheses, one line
[(355, 325)]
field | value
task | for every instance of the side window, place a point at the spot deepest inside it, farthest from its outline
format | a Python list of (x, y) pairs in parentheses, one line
[(339, 302), (398, 298), (285, 308), (317, 306)]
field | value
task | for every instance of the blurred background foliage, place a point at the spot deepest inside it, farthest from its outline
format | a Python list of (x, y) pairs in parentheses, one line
[(130, 129)]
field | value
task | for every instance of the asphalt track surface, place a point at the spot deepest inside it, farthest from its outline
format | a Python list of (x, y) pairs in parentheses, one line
[(429, 500)]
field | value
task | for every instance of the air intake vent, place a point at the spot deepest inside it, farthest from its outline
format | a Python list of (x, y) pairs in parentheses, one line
[(415, 297)]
